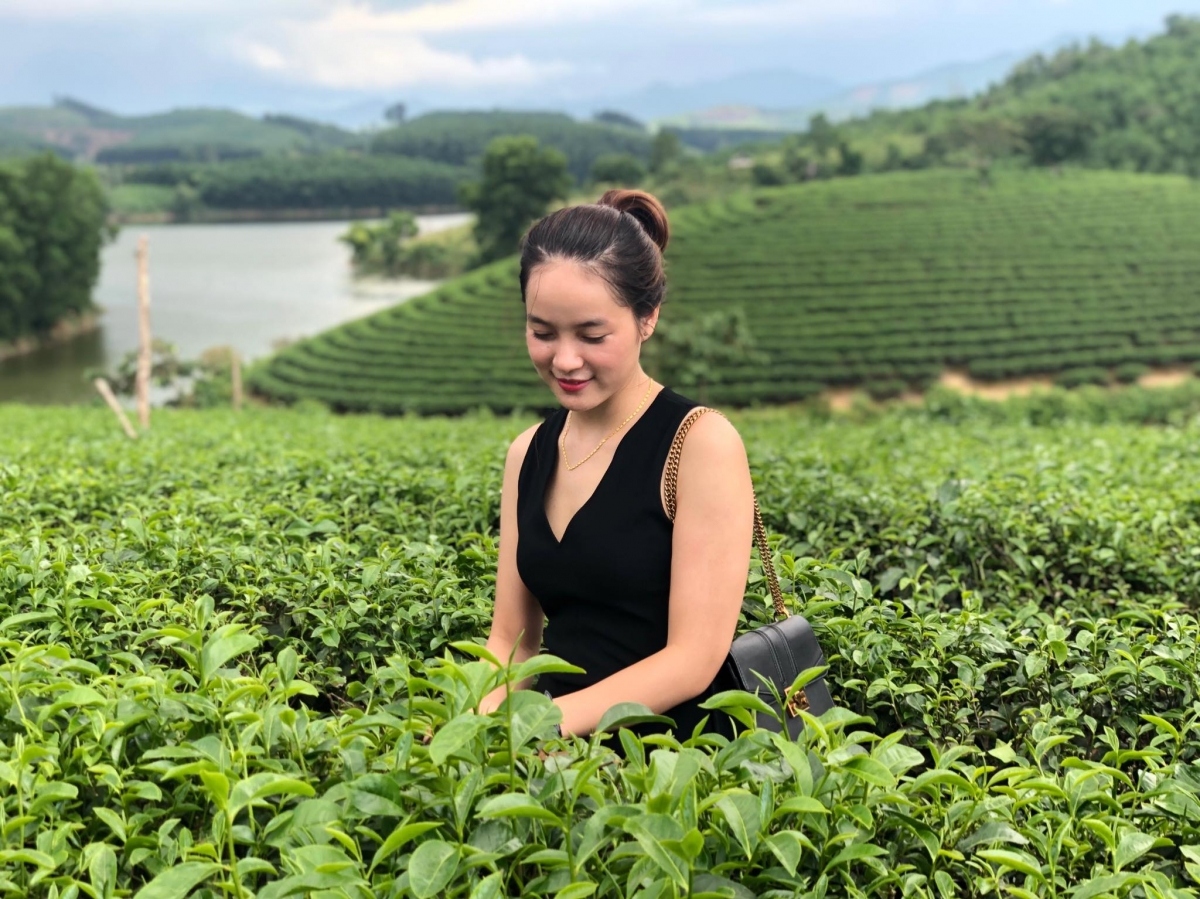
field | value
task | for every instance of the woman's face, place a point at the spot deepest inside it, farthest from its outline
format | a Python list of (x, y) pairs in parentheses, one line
[(584, 344)]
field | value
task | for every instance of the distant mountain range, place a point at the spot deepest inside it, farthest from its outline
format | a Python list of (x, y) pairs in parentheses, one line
[(774, 88), (769, 100), (840, 103)]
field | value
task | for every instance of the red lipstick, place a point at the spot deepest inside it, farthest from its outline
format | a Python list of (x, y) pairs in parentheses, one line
[(571, 386)]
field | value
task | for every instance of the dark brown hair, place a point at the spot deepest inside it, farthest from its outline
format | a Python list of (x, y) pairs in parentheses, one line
[(621, 238)]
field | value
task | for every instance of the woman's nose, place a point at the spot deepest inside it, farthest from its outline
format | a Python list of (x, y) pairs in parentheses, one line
[(566, 359)]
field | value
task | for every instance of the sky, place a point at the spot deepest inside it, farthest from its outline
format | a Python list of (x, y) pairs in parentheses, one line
[(305, 56)]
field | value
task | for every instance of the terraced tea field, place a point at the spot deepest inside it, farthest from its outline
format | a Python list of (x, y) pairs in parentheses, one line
[(885, 281), (238, 658)]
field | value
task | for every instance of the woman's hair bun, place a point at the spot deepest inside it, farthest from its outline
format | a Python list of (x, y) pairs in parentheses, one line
[(644, 207)]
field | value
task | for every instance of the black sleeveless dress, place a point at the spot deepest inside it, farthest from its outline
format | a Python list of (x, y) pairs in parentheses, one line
[(605, 588)]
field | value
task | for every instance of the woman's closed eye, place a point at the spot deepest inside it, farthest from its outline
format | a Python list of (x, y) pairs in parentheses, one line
[(540, 335)]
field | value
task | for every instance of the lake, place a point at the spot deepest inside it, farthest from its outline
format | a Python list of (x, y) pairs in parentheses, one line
[(249, 286)]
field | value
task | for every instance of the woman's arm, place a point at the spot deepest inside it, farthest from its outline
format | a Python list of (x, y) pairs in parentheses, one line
[(714, 522), (517, 619)]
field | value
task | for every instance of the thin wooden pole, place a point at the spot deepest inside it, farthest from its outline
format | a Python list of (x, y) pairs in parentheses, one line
[(145, 352), (110, 398), (235, 365)]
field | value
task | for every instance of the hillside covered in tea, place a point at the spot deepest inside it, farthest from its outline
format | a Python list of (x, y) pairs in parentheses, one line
[(884, 282)]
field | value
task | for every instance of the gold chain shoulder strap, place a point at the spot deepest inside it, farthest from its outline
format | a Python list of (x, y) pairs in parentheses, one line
[(671, 483)]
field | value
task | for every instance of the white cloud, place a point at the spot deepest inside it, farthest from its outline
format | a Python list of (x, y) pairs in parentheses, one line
[(114, 9), (358, 45), (350, 53), (453, 16), (792, 13)]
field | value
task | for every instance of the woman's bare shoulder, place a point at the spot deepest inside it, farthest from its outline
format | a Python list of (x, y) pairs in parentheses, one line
[(713, 439), (519, 446)]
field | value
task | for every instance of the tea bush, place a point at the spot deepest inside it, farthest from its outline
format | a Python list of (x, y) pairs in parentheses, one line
[(241, 656), (883, 281)]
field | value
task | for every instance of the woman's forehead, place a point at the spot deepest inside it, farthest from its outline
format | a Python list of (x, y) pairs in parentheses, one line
[(564, 293)]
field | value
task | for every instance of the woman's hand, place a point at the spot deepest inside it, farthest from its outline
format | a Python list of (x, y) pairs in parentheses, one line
[(492, 701)]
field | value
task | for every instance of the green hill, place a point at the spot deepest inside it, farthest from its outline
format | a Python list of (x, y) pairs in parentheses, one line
[(884, 281), (91, 134), (1135, 107), (459, 138)]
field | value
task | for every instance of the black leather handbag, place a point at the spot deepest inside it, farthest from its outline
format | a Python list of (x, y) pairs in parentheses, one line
[(778, 651)]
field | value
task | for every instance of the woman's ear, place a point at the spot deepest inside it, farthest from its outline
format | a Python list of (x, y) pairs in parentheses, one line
[(647, 325)]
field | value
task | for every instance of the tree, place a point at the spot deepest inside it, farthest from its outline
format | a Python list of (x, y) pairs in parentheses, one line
[(1056, 134), (851, 160), (619, 119), (618, 168), (665, 150), (185, 202), (821, 134), (894, 159), (520, 179), (396, 113), (379, 249), (52, 225), (690, 351), (795, 163), (767, 175)]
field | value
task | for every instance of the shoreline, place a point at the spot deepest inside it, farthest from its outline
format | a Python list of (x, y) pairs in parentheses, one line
[(63, 331), (250, 216)]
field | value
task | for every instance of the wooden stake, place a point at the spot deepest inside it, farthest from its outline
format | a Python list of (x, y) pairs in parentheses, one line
[(235, 371), (145, 351), (110, 398)]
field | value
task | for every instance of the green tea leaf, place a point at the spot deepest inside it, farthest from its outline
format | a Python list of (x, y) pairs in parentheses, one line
[(579, 890), (489, 888), (856, 852), (626, 714), (868, 769), (741, 812), (1132, 846), (1017, 861), (431, 868), (177, 881), (651, 844), (259, 786), (399, 837), (226, 643), (786, 847), (455, 735), (1108, 883), (516, 805)]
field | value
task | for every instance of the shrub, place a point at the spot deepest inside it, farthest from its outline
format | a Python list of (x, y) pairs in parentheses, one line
[(1129, 372), (1077, 377)]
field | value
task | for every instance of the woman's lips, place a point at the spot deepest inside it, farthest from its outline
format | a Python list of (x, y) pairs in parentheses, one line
[(572, 386)]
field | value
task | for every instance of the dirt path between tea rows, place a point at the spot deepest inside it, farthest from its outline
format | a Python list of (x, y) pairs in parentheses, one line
[(840, 399)]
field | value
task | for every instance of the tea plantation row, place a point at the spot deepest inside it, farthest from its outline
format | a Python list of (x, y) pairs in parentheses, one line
[(880, 281), (238, 658)]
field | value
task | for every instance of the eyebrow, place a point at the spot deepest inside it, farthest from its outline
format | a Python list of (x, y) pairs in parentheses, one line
[(590, 323)]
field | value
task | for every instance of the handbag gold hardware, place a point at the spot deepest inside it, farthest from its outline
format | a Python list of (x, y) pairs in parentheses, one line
[(797, 703)]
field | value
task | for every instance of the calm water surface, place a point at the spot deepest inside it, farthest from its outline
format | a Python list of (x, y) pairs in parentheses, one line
[(247, 285)]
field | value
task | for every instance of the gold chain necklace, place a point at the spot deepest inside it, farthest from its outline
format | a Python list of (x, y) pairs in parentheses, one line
[(562, 440)]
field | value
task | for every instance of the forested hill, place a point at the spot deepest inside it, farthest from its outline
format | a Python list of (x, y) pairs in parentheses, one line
[(204, 136), (80, 131), (1133, 107), (459, 138)]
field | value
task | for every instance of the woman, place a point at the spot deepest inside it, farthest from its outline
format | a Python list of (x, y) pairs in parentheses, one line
[(647, 608)]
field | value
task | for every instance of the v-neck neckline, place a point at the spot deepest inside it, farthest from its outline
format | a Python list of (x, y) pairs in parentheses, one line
[(558, 541)]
